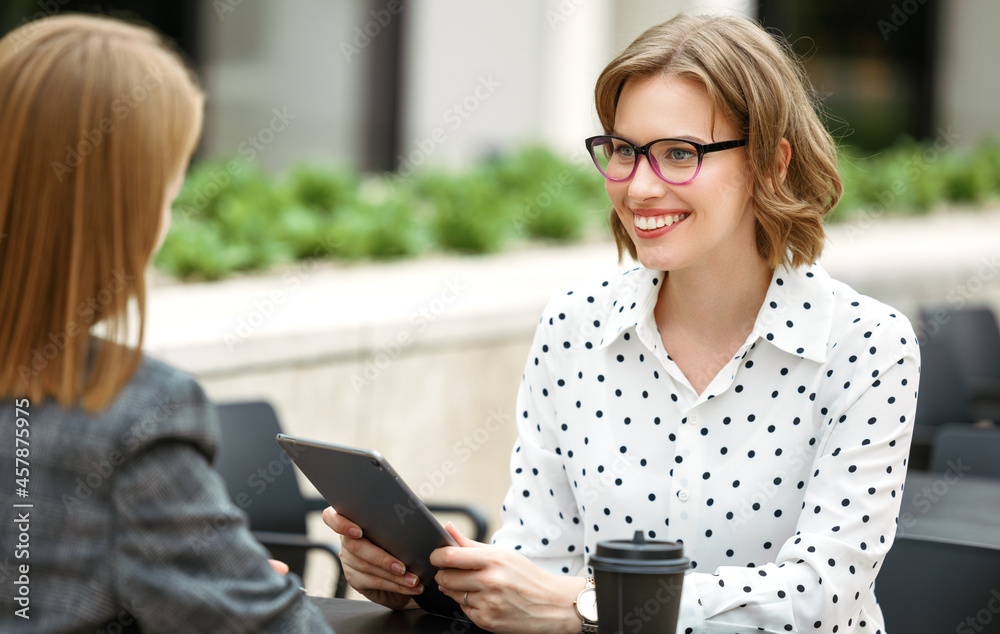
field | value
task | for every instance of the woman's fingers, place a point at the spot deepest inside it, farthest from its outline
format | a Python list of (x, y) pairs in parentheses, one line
[(460, 538), (340, 524), (280, 567), (365, 558), (366, 566)]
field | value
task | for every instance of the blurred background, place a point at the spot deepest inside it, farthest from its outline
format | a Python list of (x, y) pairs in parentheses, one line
[(388, 191), (368, 80)]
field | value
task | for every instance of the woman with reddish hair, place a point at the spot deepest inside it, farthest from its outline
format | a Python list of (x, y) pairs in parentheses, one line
[(126, 525)]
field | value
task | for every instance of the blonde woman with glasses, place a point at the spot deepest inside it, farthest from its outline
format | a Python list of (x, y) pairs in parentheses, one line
[(116, 520), (726, 393)]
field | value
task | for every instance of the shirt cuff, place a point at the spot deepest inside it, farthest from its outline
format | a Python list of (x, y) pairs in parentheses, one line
[(691, 617)]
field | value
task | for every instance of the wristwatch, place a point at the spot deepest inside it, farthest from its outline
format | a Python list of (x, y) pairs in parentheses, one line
[(586, 607)]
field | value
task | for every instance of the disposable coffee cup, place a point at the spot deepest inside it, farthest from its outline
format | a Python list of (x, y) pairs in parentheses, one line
[(639, 585)]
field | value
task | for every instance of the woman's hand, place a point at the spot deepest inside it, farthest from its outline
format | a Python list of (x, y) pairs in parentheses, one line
[(376, 574), (502, 591)]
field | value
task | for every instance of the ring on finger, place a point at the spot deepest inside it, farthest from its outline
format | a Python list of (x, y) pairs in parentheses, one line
[(465, 599)]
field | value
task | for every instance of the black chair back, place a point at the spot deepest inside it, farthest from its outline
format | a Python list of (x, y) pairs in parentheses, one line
[(931, 587), (968, 450), (260, 477), (975, 337)]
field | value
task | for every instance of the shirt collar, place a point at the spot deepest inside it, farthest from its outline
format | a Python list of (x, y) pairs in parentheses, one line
[(796, 315), (634, 301)]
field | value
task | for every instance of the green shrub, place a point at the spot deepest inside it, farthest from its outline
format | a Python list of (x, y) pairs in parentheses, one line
[(226, 219), (382, 222), (469, 213)]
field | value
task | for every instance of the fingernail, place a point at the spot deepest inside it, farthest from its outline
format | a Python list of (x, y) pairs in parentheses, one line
[(355, 532), (398, 568), (412, 580)]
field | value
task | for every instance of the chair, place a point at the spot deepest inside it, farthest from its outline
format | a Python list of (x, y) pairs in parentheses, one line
[(971, 447), (941, 399), (973, 337), (930, 586), (261, 480)]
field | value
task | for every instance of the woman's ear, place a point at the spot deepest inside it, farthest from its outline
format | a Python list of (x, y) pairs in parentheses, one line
[(782, 160)]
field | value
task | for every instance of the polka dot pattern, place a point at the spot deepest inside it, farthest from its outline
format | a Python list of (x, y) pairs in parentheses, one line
[(782, 478)]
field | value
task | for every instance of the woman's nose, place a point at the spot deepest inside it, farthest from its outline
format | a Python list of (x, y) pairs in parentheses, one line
[(645, 184)]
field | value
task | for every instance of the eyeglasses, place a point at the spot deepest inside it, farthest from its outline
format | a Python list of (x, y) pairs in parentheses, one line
[(674, 160)]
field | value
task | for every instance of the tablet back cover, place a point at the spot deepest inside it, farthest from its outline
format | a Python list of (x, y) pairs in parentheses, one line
[(362, 486)]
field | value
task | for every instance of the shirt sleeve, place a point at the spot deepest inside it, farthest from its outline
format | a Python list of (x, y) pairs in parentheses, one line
[(185, 560), (540, 518), (847, 522)]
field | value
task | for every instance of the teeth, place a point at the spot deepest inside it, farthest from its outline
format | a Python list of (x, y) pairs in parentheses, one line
[(648, 223)]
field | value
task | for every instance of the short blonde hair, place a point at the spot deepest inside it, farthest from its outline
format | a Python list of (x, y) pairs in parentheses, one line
[(97, 117), (759, 86)]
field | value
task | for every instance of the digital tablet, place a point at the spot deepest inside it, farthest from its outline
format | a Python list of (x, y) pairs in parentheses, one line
[(360, 485)]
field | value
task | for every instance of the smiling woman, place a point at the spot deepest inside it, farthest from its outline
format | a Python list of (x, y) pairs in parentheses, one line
[(728, 394)]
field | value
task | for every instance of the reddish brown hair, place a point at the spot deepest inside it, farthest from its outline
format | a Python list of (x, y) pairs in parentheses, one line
[(98, 116)]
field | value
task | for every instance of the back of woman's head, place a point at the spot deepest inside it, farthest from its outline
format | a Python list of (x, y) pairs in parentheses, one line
[(98, 117), (758, 85)]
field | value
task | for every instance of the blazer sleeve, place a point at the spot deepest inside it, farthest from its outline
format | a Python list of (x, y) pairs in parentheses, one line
[(184, 558)]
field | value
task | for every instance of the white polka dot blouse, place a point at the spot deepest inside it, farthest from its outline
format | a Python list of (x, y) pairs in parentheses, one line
[(782, 479)]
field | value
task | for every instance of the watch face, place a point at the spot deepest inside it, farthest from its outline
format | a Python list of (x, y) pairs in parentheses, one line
[(587, 604)]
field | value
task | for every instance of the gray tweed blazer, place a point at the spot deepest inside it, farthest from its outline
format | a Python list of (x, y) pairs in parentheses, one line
[(129, 528)]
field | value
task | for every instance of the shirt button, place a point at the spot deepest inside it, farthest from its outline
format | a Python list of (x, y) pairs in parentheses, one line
[(683, 495), (693, 418)]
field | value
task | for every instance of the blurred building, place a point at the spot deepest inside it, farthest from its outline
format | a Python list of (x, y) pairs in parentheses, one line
[(397, 84)]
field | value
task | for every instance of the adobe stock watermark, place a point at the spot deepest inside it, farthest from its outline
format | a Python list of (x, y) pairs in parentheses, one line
[(562, 13), (959, 296), (121, 109), (914, 169), (124, 619), (591, 489), (99, 472), (926, 498), (224, 7), (898, 17), (364, 34), (48, 8), (87, 311), (454, 116), (983, 617), (249, 149), (420, 320), (261, 477), (463, 450), (264, 308), (553, 187), (765, 491)]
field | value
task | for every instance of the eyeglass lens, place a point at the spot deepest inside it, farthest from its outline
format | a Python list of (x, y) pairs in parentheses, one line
[(676, 161)]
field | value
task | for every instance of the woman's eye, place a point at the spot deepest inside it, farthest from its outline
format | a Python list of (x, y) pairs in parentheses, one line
[(625, 151), (680, 154)]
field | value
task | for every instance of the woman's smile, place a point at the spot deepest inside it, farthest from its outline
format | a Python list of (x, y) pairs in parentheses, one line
[(652, 224)]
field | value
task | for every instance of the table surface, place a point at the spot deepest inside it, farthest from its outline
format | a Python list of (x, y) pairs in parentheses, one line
[(951, 506), (347, 616)]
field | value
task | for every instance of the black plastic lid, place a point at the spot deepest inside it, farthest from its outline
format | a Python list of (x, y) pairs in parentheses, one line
[(639, 555)]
